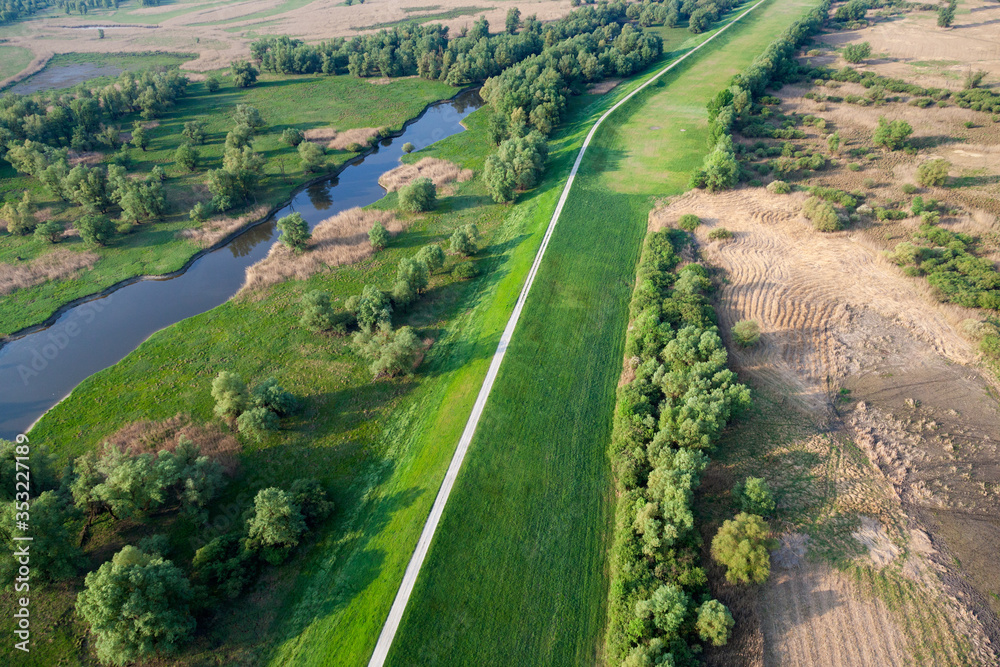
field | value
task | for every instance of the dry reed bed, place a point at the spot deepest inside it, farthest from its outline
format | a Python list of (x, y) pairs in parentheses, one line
[(155, 436), (216, 229), (55, 265), (342, 239), (439, 171), (335, 140)]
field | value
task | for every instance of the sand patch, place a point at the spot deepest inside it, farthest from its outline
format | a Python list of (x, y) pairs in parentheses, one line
[(56, 265), (342, 239), (439, 171)]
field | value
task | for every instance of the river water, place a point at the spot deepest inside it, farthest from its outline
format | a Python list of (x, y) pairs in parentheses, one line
[(40, 368)]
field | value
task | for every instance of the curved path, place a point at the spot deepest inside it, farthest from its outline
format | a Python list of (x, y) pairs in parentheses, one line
[(427, 535)]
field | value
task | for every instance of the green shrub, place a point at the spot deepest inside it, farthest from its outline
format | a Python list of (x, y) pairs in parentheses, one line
[(464, 240), (753, 496), (50, 231), (891, 135), (372, 308), (742, 546), (378, 236), (276, 525), (822, 214), (257, 422), (433, 256), (295, 232), (292, 136), (854, 166), (714, 623), (856, 53), (311, 156), (418, 196), (271, 396), (720, 234), (389, 353), (408, 147), (200, 212), (746, 333), (95, 229), (689, 222), (779, 187), (933, 172), (909, 188), (465, 271), (231, 395)]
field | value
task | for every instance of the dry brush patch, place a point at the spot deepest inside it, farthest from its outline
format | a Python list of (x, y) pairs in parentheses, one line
[(342, 239), (155, 436), (214, 230), (55, 265), (439, 171), (341, 140)]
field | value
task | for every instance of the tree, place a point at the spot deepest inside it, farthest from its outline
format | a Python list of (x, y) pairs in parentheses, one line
[(213, 84), (88, 187), (973, 79), (292, 136), (513, 20), (412, 276), (746, 333), (714, 623), (230, 394), (276, 525), (856, 53), (933, 172), (667, 609), (408, 148), (418, 196), (742, 546), (194, 132), (246, 114), (311, 155), (464, 240), (317, 313), (139, 138), (238, 178), (244, 74), (833, 142), (432, 255), (50, 231), (499, 180), (272, 396), (721, 170), (822, 214), (378, 236), (754, 496), (310, 497), (95, 229), (137, 606), (295, 232), (701, 20), (891, 135), (946, 14), (186, 156), (200, 212), (54, 554), (20, 217), (371, 308), (389, 353), (239, 137), (256, 422)]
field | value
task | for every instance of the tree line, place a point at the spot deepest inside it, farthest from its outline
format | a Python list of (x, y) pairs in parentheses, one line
[(13, 10), (667, 420)]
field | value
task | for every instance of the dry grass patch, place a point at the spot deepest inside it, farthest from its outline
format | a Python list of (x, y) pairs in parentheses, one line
[(439, 171), (55, 265), (342, 239), (335, 140), (155, 436), (216, 229)]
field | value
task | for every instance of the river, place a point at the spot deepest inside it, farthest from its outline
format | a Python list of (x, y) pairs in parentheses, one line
[(41, 368)]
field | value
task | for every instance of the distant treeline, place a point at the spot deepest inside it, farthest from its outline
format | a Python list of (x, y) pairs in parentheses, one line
[(12, 10)]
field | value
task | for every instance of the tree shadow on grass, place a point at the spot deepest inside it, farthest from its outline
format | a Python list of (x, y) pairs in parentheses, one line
[(933, 141), (971, 181)]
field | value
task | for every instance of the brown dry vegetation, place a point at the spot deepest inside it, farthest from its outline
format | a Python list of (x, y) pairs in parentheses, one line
[(155, 436), (335, 140), (214, 230), (55, 265), (439, 171), (342, 239)]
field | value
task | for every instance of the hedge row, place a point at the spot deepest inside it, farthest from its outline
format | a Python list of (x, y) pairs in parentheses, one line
[(667, 419)]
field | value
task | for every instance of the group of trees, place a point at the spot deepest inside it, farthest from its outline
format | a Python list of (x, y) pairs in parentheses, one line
[(733, 106), (242, 168), (666, 422), (254, 412), (13, 10), (743, 543), (518, 164)]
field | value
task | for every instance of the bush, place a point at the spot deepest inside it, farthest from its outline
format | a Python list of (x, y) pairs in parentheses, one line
[(418, 196), (212, 83), (754, 496), (378, 236), (186, 156), (412, 277), (200, 212), (271, 396), (854, 166), (319, 315), (891, 135), (746, 333), (909, 188), (933, 172), (689, 222), (714, 623), (973, 79), (372, 308), (50, 231), (310, 497), (292, 136), (465, 271), (311, 156), (779, 187), (295, 232), (721, 171), (96, 229), (231, 395), (354, 147), (137, 606), (742, 546), (408, 147), (432, 255), (464, 240), (244, 74), (720, 234), (257, 422), (389, 353), (856, 53), (275, 527), (822, 214)]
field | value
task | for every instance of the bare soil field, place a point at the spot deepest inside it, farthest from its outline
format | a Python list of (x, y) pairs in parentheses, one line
[(221, 32)]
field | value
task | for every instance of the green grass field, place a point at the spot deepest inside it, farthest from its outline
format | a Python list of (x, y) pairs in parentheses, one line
[(302, 102), (13, 59), (517, 571)]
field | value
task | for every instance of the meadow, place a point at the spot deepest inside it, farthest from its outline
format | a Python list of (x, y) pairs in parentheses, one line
[(284, 101), (13, 59), (518, 568)]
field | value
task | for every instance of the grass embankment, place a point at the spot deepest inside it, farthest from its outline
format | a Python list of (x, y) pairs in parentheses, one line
[(517, 572), (154, 248)]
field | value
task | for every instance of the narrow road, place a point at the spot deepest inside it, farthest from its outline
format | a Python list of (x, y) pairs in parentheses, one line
[(427, 535)]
